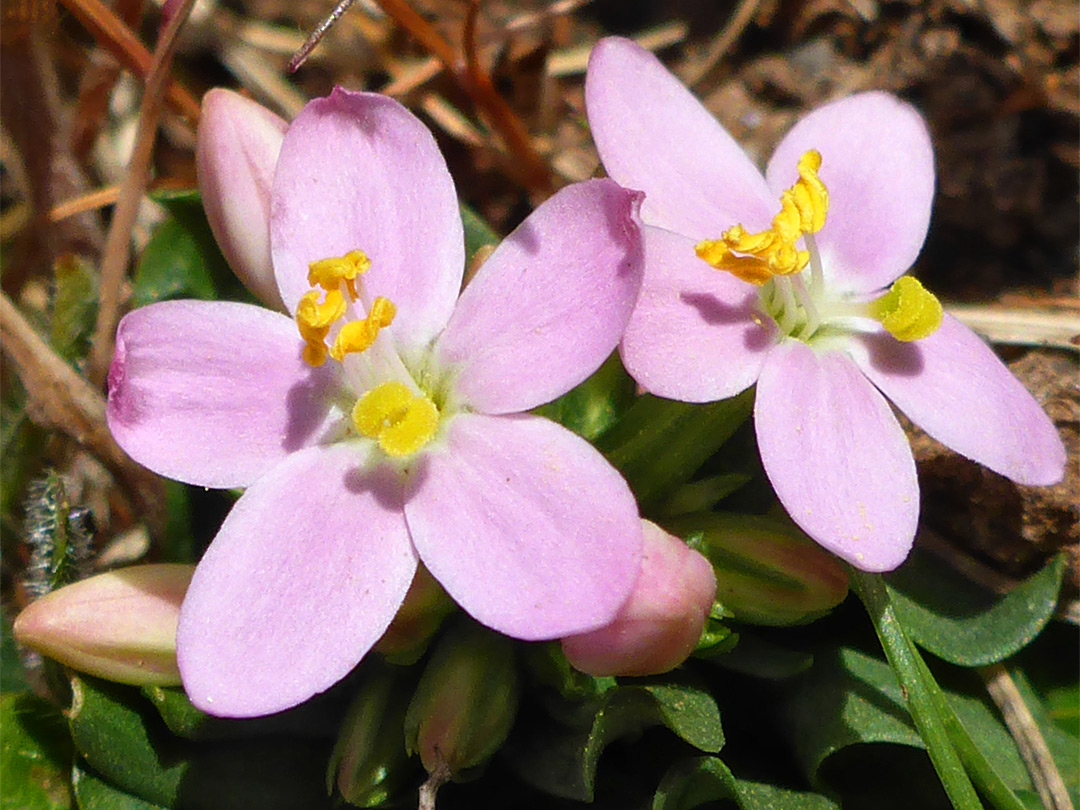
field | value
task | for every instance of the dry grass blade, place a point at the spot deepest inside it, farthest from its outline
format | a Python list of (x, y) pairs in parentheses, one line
[(110, 31), (1044, 772), (63, 400), (114, 260)]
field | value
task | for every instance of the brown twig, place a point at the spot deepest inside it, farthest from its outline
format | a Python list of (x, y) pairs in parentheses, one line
[(1029, 740), (63, 400), (110, 31), (537, 174), (744, 13), (476, 82), (114, 260)]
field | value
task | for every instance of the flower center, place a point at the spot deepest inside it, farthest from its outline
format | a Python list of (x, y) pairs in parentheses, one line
[(773, 261), (400, 418), (757, 257)]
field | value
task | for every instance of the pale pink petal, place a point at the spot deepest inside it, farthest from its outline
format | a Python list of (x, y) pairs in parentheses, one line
[(653, 135), (954, 387), (836, 456), (237, 147), (550, 304), (358, 171), (878, 165), (661, 622), (526, 525), (213, 393), (306, 573), (695, 334)]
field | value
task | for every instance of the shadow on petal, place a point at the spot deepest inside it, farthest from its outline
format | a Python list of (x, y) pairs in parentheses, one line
[(890, 356)]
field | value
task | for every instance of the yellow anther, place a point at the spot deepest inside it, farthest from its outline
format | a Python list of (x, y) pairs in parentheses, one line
[(314, 321), (773, 252), (401, 421), (357, 336), (330, 273), (908, 311)]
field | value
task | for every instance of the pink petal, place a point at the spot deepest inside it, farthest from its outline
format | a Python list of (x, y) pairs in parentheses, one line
[(527, 527), (954, 387), (836, 456), (304, 576), (359, 171), (695, 333), (214, 393), (661, 622), (878, 164), (653, 135), (550, 304), (238, 145)]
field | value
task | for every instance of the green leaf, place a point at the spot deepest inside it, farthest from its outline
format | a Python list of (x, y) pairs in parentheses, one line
[(562, 760), (35, 754), (595, 405), (659, 444), (950, 616), (694, 782), (182, 260), (94, 793), (122, 738), (12, 677), (74, 307), (477, 232), (763, 796)]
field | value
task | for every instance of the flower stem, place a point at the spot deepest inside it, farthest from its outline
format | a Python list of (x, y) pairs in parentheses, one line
[(919, 689)]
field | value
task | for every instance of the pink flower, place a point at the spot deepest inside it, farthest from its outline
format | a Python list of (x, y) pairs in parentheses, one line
[(855, 180), (661, 622), (383, 422)]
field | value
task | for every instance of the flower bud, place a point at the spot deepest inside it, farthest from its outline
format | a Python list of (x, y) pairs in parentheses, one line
[(425, 606), (661, 622), (767, 571), (235, 155), (120, 625), (369, 763), (466, 700)]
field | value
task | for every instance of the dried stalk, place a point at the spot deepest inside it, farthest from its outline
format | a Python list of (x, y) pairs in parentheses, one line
[(1029, 740), (60, 399), (114, 260), (111, 32)]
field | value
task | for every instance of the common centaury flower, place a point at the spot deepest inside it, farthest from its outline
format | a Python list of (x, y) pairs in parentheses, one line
[(795, 281), (381, 420)]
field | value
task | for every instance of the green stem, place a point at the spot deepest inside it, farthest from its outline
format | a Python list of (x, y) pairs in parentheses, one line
[(918, 688)]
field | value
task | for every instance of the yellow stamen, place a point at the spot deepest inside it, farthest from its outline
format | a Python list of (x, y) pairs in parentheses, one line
[(357, 336), (773, 252), (908, 311), (401, 421), (329, 273), (314, 320)]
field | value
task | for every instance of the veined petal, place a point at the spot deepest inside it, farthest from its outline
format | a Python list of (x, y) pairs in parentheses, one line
[(695, 334), (550, 304), (526, 525), (878, 164), (237, 147), (836, 456), (653, 135), (954, 387), (358, 171), (306, 573), (214, 393)]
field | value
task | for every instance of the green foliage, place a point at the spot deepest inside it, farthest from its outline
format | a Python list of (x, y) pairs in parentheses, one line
[(595, 405), (950, 616), (35, 754), (561, 757), (182, 260)]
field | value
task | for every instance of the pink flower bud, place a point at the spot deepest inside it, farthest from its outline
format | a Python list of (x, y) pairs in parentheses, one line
[(237, 150), (120, 625), (661, 622), (425, 606)]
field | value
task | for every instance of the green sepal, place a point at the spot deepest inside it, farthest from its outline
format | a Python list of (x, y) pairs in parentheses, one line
[(659, 444)]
